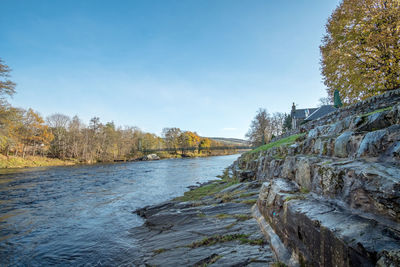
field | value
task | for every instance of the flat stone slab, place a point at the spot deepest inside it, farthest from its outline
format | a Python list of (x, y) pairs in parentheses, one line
[(176, 234)]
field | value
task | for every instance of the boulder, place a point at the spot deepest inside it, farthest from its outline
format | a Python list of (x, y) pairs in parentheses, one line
[(150, 157)]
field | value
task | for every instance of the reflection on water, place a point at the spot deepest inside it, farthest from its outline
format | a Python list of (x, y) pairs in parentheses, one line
[(81, 215)]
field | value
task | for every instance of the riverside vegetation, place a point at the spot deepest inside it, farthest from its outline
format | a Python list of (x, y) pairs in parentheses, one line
[(28, 140)]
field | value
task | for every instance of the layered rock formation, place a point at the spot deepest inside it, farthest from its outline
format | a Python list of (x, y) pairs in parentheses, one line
[(216, 229), (332, 198)]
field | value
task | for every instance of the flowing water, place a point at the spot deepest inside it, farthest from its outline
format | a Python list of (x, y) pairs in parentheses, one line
[(82, 215)]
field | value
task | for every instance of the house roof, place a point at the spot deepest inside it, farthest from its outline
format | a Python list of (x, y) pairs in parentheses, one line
[(303, 113), (320, 112)]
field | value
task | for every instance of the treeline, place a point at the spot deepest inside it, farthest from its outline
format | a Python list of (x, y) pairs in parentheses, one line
[(26, 133)]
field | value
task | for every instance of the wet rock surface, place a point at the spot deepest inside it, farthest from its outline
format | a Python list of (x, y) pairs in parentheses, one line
[(216, 230)]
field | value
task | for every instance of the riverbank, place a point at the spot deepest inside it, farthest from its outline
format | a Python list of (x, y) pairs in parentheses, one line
[(210, 225), (166, 155), (14, 162), (32, 161)]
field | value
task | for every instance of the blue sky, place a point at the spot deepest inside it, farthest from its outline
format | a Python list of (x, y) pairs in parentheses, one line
[(200, 65)]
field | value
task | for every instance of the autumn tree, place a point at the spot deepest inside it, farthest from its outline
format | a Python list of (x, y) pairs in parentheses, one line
[(171, 137), (361, 49), (10, 124), (35, 134), (189, 139), (9, 116), (205, 144), (260, 128), (7, 87), (149, 141)]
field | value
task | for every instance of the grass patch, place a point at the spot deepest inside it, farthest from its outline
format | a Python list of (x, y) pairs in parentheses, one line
[(159, 251), (249, 201), (253, 242), (278, 157), (304, 190), (239, 217), (222, 216), (228, 196), (375, 111), (214, 259), (229, 226), (278, 264), (212, 240), (207, 261), (208, 189), (248, 194), (282, 142), (31, 161), (242, 217)]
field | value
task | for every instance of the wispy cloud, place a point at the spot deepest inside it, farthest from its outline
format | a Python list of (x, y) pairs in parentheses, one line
[(229, 129)]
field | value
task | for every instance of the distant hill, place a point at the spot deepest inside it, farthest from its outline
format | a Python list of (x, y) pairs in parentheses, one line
[(231, 141)]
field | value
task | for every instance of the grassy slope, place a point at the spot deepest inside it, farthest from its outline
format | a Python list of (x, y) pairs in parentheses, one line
[(36, 161), (282, 142)]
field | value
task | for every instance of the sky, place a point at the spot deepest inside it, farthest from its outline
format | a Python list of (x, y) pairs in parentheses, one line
[(199, 65)]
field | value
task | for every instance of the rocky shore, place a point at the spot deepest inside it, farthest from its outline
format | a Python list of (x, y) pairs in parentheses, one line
[(327, 195), (211, 225), (332, 196)]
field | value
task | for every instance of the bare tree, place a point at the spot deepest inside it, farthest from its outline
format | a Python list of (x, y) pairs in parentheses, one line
[(277, 121), (58, 126), (325, 101), (7, 87), (260, 129)]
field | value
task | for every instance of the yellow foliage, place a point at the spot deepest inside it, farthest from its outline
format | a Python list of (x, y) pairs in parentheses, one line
[(361, 49)]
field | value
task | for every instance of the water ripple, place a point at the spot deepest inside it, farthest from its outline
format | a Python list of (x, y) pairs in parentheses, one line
[(81, 215)]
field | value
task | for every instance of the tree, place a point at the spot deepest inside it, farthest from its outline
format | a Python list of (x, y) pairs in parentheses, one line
[(8, 114), (171, 136), (189, 139), (287, 124), (277, 123), (336, 99), (260, 129), (325, 101), (10, 123), (35, 134), (58, 125), (75, 138), (7, 87), (205, 144), (361, 49)]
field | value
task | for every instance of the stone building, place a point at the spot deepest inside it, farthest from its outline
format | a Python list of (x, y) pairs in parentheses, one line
[(308, 114)]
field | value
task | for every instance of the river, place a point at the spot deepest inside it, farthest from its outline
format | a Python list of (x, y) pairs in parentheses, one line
[(81, 215)]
